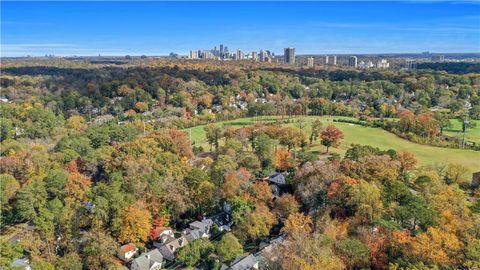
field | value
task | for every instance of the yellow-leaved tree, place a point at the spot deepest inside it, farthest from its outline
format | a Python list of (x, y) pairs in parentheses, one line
[(136, 225)]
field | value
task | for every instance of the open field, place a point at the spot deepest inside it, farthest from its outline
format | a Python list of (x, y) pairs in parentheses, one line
[(355, 134), (473, 134)]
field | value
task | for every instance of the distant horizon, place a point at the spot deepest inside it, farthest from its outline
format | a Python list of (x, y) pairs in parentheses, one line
[(185, 55), (67, 29)]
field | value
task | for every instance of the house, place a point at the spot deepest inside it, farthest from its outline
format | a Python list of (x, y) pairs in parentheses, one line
[(217, 108), (268, 247), (127, 251), (152, 260), (21, 263), (198, 229), (89, 206), (242, 263), (170, 246), (267, 252), (223, 221), (165, 233), (278, 179), (103, 119)]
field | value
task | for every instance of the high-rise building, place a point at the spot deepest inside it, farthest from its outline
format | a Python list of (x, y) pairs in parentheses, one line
[(221, 48), (365, 65), (383, 64), (254, 56), (310, 62), (333, 60), (225, 49), (438, 58), (352, 61), (208, 55), (263, 56), (240, 55), (193, 54), (327, 59), (289, 56), (410, 63)]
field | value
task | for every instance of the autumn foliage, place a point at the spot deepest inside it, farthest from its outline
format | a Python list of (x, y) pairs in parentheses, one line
[(331, 136), (135, 225)]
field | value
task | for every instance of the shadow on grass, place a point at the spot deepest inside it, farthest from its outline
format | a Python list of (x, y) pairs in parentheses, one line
[(241, 123)]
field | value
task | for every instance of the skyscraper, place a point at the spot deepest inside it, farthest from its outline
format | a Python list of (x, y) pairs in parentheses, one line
[(333, 60), (289, 56), (353, 61), (410, 63), (221, 48), (310, 61), (193, 54), (240, 55), (263, 56), (254, 56), (438, 58), (208, 55), (383, 64), (326, 59)]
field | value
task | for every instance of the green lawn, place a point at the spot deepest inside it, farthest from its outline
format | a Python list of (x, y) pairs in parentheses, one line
[(355, 134), (473, 134)]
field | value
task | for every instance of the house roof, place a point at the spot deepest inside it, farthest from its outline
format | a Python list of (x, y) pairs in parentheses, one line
[(193, 234), (171, 246), (146, 260), (221, 219), (20, 262), (243, 263), (128, 247), (277, 178), (202, 225)]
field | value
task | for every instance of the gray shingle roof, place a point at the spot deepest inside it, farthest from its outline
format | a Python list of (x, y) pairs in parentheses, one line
[(244, 263), (146, 260)]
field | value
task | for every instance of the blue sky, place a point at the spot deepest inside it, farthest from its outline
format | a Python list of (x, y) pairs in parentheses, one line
[(158, 28)]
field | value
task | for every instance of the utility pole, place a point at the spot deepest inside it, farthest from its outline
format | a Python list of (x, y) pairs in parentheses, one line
[(467, 108)]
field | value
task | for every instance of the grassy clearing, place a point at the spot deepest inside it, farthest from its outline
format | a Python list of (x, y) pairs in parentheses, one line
[(355, 134), (473, 134)]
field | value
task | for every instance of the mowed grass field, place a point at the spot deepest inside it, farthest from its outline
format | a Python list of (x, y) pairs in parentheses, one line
[(355, 134), (473, 134)]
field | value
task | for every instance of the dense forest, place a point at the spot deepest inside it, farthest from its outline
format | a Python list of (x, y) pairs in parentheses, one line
[(94, 157)]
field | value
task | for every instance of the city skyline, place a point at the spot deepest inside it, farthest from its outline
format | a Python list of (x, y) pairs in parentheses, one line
[(158, 28)]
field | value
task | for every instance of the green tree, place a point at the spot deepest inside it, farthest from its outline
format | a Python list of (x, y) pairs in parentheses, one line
[(443, 120), (366, 197), (316, 129), (222, 165), (195, 251), (8, 186), (6, 129), (213, 133), (8, 253), (55, 183), (228, 248), (263, 147), (414, 211), (99, 249), (354, 253), (29, 200)]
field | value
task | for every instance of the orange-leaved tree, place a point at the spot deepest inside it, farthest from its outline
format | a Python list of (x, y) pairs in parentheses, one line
[(135, 225), (331, 136)]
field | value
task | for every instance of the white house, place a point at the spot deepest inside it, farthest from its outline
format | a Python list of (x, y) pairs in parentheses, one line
[(127, 251)]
